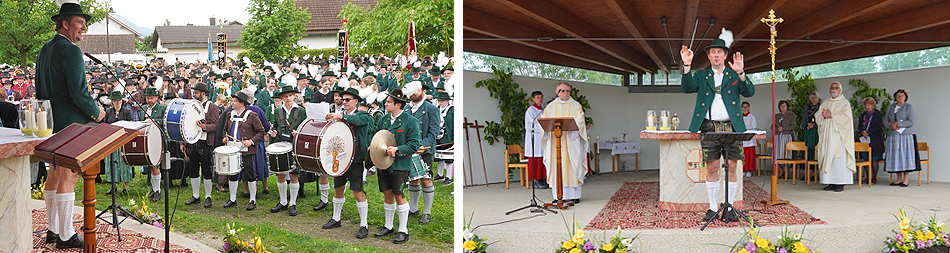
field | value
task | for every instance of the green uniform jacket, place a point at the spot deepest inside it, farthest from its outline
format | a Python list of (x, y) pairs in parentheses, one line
[(703, 83), (61, 78), (448, 126), (158, 113), (235, 89), (264, 100), (363, 129), (278, 120), (406, 131), (428, 117)]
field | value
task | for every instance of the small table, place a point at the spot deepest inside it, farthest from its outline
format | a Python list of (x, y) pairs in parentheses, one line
[(15, 151), (617, 149)]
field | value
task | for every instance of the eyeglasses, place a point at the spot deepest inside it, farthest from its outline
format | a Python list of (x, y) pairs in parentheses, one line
[(559, 91), (346, 99)]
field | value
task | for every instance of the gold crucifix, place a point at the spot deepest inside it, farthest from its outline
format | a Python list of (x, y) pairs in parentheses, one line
[(771, 21)]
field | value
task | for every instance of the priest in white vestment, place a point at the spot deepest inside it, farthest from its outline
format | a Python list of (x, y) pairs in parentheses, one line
[(835, 141), (573, 145)]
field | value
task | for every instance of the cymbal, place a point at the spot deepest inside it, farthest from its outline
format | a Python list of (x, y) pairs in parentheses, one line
[(377, 149)]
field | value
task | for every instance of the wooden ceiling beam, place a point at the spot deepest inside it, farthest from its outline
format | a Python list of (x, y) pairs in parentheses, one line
[(519, 51), (748, 20), (495, 27), (571, 25), (635, 26)]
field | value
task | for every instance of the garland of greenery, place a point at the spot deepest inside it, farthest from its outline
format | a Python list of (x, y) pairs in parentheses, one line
[(511, 102)]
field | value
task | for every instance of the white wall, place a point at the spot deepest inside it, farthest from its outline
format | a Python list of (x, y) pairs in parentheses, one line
[(188, 54), (615, 111), (114, 28), (317, 42)]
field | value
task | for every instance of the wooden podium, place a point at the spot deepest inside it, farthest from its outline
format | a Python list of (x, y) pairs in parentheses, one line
[(557, 125), (88, 171)]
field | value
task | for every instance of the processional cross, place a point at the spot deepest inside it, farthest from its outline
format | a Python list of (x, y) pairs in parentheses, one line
[(771, 21)]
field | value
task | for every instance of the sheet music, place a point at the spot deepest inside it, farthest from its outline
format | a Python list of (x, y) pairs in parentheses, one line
[(317, 110)]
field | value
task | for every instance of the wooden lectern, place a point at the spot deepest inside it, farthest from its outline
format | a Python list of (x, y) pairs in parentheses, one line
[(88, 170), (557, 125)]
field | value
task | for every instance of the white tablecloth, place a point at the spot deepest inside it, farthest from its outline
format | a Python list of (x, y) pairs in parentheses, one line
[(619, 148)]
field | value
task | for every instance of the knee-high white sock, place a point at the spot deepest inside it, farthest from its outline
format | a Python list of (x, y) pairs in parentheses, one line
[(363, 209), (414, 192), (450, 170), (49, 197), (232, 189), (390, 210), (403, 217), (732, 191), (338, 207), (207, 188), (325, 193), (252, 188), (440, 168), (712, 190), (428, 194), (65, 215), (195, 187), (364, 174), (282, 191), (294, 187), (156, 181)]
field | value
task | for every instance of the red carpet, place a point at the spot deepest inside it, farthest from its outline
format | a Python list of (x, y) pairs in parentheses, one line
[(634, 206), (107, 237)]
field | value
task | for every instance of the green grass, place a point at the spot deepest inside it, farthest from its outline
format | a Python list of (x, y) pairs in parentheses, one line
[(282, 233)]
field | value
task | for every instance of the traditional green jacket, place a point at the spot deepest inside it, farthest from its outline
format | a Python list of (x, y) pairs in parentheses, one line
[(264, 99), (363, 129), (448, 126), (428, 117), (406, 132), (235, 89), (61, 78), (703, 83), (282, 122), (158, 113)]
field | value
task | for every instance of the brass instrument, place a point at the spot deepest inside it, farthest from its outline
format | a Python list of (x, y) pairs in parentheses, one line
[(248, 74), (139, 67)]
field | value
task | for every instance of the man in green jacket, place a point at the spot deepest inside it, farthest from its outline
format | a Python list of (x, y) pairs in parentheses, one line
[(405, 129), (61, 79), (718, 109), (363, 128), (285, 116)]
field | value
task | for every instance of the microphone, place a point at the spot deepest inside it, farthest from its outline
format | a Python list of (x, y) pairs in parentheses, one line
[(93, 58)]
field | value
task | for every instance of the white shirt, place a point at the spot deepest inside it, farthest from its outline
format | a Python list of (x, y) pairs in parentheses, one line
[(718, 107), (749, 124), (415, 106), (531, 123), (392, 118)]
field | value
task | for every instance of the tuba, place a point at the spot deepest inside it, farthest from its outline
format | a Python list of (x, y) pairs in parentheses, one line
[(139, 67), (248, 74)]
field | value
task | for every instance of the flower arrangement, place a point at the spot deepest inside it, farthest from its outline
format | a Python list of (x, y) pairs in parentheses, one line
[(143, 213), (785, 243), (917, 236), (38, 192), (234, 244), (471, 242), (577, 244)]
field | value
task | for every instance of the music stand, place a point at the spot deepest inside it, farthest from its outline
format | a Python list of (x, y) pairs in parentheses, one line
[(557, 125), (726, 140)]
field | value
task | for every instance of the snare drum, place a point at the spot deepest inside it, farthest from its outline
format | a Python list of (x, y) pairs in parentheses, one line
[(324, 147), (227, 160), (147, 148), (180, 118), (279, 157)]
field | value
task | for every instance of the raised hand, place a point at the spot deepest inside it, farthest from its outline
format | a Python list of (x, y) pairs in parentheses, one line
[(737, 62), (686, 55)]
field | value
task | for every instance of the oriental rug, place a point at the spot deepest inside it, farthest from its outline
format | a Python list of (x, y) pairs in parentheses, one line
[(635, 206), (107, 240)]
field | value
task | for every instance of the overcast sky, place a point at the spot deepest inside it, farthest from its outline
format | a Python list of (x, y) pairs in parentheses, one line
[(180, 12)]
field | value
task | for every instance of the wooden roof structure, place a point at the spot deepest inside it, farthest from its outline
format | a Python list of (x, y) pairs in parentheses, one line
[(628, 37)]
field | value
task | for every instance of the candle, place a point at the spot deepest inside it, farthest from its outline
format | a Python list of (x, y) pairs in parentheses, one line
[(42, 125)]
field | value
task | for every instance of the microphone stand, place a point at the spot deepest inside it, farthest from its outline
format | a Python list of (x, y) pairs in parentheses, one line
[(533, 203)]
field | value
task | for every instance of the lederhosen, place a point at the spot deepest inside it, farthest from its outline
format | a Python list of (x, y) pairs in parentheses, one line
[(200, 153)]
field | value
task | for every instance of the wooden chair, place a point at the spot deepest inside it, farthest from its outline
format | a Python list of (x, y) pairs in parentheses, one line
[(922, 147), (512, 150), (808, 166), (765, 154), (861, 147), (793, 146)]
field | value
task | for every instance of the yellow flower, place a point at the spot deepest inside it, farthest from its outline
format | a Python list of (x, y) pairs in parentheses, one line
[(799, 247), (918, 235), (742, 251), (576, 250), (930, 235), (905, 223), (469, 245), (608, 247), (761, 242), (568, 244)]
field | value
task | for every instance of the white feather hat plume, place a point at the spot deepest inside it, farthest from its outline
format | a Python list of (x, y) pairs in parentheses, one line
[(343, 83), (372, 60), (306, 57), (412, 87), (726, 36), (450, 86), (321, 56), (441, 60), (61, 2), (417, 64), (381, 97), (250, 95), (314, 69), (371, 69), (158, 83), (331, 57)]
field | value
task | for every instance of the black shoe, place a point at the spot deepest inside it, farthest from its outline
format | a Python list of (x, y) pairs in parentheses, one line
[(124, 192), (278, 208), (839, 188), (192, 201), (73, 242), (874, 180), (292, 210), (576, 201), (448, 181), (251, 206), (51, 237), (246, 195), (110, 191), (426, 218), (830, 187), (383, 231), (230, 204), (903, 185), (320, 206), (331, 224), (895, 184), (401, 238), (184, 183), (438, 177), (710, 215), (207, 202), (150, 194), (729, 215), (266, 191), (411, 213), (156, 196), (362, 233)]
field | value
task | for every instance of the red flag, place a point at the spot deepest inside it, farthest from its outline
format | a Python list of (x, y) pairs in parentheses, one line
[(411, 44)]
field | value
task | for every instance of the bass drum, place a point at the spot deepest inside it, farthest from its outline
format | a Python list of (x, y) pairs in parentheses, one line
[(324, 147), (147, 148), (180, 118)]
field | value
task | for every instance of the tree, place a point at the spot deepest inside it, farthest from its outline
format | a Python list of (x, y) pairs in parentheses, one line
[(145, 44), (274, 29), (25, 26), (385, 28)]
